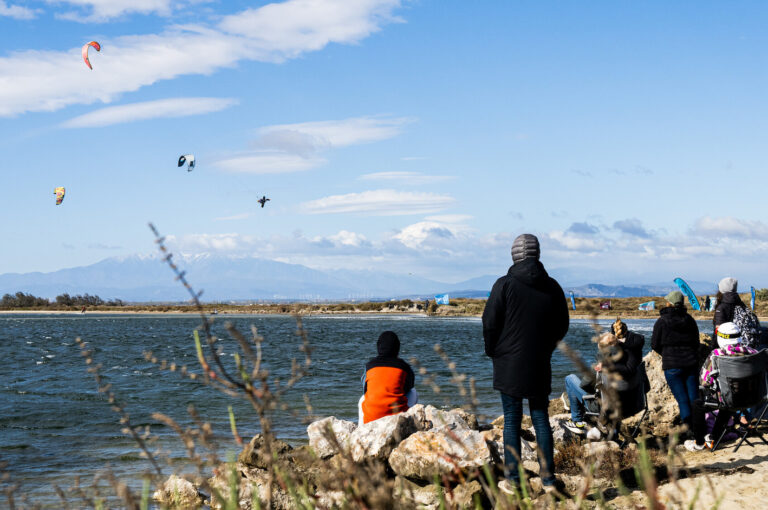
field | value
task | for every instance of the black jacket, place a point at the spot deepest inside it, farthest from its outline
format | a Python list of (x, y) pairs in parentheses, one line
[(525, 317), (676, 338), (631, 357), (725, 308)]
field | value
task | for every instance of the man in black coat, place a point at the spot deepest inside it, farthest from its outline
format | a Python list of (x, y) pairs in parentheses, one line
[(525, 317)]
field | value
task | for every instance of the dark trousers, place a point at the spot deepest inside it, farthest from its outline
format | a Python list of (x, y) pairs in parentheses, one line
[(700, 423), (684, 384), (513, 418)]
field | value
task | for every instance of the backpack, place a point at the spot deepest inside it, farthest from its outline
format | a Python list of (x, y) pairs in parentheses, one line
[(746, 320)]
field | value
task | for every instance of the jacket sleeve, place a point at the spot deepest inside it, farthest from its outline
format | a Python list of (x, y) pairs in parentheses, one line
[(656, 338), (561, 312), (493, 317), (719, 316)]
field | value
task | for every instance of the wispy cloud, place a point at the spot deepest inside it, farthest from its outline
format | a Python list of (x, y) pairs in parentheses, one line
[(89, 11), (405, 178), (295, 147), (161, 108), (384, 202), (633, 227), (15, 11), (35, 80)]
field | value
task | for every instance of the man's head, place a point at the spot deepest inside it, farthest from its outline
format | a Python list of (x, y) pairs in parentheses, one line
[(525, 246), (728, 285), (675, 298), (388, 344)]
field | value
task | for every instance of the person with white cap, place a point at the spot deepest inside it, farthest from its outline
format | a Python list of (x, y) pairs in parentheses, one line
[(526, 315), (729, 343)]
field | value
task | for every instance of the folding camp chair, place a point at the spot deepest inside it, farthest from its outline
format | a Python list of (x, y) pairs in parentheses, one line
[(741, 383), (632, 398)]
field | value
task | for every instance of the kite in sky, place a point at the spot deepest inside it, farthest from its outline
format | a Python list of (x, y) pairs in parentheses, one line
[(59, 192), (263, 200), (86, 47), (189, 159)]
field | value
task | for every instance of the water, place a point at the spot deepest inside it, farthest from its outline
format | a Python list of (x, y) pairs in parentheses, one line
[(54, 424)]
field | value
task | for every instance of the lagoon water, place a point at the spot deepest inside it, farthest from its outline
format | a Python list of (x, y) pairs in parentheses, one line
[(54, 424)]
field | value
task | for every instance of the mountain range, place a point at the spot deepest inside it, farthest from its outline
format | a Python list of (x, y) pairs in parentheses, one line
[(139, 278)]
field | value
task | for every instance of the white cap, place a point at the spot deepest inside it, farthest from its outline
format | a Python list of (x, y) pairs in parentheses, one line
[(728, 333)]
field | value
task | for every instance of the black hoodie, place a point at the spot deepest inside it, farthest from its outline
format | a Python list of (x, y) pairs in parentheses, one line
[(388, 347), (631, 356), (725, 308), (525, 317), (676, 338)]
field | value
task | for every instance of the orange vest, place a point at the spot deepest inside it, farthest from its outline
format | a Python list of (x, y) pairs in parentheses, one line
[(384, 393)]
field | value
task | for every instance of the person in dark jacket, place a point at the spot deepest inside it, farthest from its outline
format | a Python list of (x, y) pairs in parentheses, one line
[(626, 353), (727, 301), (525, 317), (388, 382), (676, 339)]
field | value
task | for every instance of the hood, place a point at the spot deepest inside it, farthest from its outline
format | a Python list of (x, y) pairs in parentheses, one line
[(388, 345), (530, 272), (731, 298), (675, 317)]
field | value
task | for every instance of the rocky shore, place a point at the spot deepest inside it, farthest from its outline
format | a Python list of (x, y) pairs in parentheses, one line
[(428, 457)]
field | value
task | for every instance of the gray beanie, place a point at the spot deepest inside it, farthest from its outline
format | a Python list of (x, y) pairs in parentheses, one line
[(525, 246), (728, 285)]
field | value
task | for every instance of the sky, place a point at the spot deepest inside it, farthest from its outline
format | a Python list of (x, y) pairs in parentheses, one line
[(407, 136)]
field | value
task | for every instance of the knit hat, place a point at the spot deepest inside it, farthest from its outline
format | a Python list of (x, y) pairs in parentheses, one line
[(525, 246), (675, 297), (388, 344), (728, 285), (728, 333)]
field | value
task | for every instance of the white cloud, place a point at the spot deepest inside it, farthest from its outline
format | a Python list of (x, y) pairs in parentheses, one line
[(384, 202), (268, 163), (15, 11), (405, 178), (425, 234), (209, 242), (161, 108), (330, 133), (35, 80), (347, 238), (730, 227), (450, 218), (103, 10)]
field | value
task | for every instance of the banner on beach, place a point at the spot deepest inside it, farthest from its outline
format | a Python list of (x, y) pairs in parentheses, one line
[(442, 299), (605, 305), (685, 289), (752, 300), (573, 301), (647, 306)]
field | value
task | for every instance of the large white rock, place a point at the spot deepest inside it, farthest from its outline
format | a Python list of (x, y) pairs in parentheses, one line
[(438, 417), (377, 439), (429, 496), (177, 492), (319, 431), (441, 450), (495, 439)]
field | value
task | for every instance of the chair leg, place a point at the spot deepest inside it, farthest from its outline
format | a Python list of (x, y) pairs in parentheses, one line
[(746, 432), (717, 443)]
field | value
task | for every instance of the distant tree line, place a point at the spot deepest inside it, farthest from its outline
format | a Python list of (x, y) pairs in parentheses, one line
[(23, 300)]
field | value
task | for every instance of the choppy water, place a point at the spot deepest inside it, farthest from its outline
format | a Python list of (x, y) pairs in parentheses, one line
[(55, 425)]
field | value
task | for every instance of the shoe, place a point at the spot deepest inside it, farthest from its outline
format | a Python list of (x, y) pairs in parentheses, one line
[(709, 442), (692, 446), (578, 427), (566, 403)]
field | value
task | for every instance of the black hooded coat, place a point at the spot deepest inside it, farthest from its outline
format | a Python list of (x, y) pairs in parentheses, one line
[(388, 348), (676, 338), (525, 317)]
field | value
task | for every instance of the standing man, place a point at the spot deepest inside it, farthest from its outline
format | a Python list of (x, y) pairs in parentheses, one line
[(525, 317)]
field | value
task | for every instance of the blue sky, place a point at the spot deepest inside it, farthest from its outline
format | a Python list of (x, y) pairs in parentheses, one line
[(411, 136)]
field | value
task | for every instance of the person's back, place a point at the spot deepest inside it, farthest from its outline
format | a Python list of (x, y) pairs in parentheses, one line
[(388, 381), (727, 301)]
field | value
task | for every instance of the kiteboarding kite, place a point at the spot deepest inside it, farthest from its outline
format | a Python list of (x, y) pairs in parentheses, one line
[(87, 46), (189, 159), (263, 200), (59, 192), (688, 293)]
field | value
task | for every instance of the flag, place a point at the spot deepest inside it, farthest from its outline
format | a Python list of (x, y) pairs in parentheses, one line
[(573, 301), (752, 301), (605, 305), (649, 305), (689, 293), (442, 299)]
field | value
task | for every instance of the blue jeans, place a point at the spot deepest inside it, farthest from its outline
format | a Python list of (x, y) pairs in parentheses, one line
[(513, 418), (575, 397), (685, 387)]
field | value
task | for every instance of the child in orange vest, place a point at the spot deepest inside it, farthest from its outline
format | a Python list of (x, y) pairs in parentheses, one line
[(387, 382)]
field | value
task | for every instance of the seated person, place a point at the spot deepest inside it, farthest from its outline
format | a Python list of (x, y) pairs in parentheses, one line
[(625, 349), (387, 382), (729, 343)]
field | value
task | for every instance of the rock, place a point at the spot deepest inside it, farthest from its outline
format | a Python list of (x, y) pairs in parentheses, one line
[(319, 431), (599, 449), (438, 451), (377, 439), (417, 413), (331, 499), (254, 454), (438, 417), (495, 441), (662, 405), (428, 496), (560, 434), (178, 492), (469, 418), (527, 424), (250, 480)]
